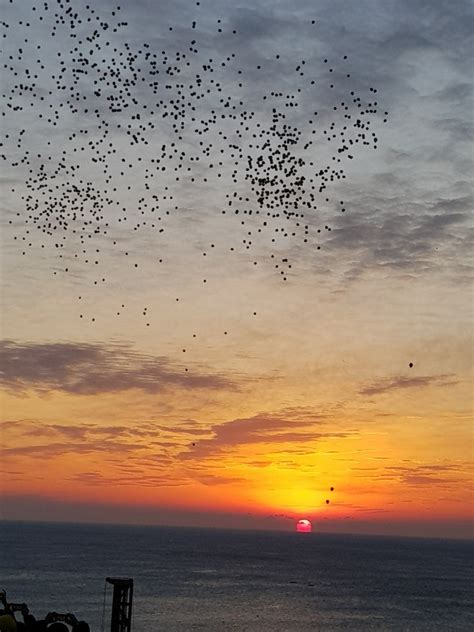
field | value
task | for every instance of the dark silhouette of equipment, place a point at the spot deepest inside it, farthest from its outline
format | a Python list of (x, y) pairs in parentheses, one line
[(10, 607), (121, 620), (67, 617)]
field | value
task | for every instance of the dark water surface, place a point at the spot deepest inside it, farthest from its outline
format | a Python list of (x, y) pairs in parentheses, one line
[(217, 580)]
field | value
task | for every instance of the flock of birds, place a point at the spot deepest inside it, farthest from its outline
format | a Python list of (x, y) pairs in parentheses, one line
[(111, 140)]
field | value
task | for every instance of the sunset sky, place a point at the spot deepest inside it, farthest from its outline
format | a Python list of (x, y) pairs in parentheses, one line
[(242, 402)]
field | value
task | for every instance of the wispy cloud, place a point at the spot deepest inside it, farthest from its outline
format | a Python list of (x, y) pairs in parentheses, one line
[(90, 369), (95, 479), (401, 382), (39, 440), (263, 428), (57, 449), (437, 474)]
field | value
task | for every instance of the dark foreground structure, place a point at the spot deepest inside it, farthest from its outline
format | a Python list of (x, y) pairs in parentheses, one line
[(16, 617)]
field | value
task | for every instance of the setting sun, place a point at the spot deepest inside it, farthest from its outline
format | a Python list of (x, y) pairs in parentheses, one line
[(304, 526)]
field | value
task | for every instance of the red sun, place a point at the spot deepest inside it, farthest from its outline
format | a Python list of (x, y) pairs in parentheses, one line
[(303, 526)]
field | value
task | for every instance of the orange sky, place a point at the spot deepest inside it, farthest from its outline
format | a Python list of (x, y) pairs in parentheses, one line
[(263, 446), (163, 386)]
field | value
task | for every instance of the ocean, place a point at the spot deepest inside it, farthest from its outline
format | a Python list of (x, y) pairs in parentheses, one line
[(255, 581)]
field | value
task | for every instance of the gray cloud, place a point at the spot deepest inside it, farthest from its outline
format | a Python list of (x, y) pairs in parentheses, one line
[(391, 238), (409, 212), (89, 369), (111, 441), (415, 53), (263, 428), (297, 426)]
